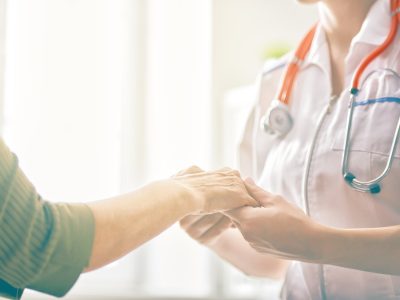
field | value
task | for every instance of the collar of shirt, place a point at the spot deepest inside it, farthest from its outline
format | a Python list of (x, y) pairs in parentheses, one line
[(319, 53), (376, 25), (373, 32)]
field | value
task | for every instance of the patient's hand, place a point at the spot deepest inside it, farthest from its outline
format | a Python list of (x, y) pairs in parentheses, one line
[(214, 191)]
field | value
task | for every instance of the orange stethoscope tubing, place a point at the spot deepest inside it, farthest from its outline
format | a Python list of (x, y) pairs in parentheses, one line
[(395, 11), (294, 66), (305, 45)]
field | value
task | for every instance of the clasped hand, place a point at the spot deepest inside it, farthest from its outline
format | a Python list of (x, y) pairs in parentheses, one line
[(274, 226), (278, 227)]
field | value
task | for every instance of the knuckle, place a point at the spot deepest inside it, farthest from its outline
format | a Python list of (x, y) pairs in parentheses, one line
[(180, 173), (194, 168), (234, 180), (236, 173)]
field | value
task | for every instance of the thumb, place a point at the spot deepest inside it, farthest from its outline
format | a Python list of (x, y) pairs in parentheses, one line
[(257, 192)]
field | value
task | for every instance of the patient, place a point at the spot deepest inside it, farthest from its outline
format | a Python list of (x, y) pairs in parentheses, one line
[(45, 246)]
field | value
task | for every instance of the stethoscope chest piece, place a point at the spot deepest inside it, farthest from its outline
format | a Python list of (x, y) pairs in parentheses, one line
[(278, 119)]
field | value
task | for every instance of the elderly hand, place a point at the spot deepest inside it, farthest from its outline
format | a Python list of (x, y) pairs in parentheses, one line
[(278, 227), (214, 191)]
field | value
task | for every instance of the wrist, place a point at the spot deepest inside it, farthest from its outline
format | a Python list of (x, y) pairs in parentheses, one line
[(184, 197)]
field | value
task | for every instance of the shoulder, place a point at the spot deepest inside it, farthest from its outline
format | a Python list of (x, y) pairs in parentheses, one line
[(272, 72), (275, 66)]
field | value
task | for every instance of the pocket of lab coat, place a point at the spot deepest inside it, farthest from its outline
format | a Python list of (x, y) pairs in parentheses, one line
[(375, 116), (374, 126)]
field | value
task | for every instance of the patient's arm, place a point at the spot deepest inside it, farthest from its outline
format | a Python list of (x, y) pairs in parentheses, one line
[(125, 222)]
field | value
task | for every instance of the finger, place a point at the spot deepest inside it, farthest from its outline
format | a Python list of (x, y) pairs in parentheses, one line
[(197, 229), (194, 169), (180, 173), (241, 214), (206, 220), (256, 192), (214, 231), (253, 187), (251, 201), (189, 221), (246, 197), (250, 181), (190, 170)]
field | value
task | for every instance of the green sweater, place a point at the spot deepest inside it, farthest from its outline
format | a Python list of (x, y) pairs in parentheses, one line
[(43, 246)]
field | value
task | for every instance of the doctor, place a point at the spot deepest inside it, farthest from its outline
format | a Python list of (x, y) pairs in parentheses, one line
[(323, 227)]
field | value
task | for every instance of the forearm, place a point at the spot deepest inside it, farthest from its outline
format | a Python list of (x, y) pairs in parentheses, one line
[(232, 247), (125, 222), (374, 250)]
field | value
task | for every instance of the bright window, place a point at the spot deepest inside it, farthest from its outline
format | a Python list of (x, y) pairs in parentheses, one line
[(104, 95)]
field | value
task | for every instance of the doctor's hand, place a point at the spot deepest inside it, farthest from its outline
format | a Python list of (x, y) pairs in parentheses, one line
[(278, 227), (215, 191)]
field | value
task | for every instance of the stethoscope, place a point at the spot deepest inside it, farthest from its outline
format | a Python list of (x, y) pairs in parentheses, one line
[(278, 120)]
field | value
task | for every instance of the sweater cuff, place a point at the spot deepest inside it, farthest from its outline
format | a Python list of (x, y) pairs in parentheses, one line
[(9, 292), (73, 250)]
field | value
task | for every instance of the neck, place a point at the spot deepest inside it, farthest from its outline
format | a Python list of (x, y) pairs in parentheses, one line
[(342, 20)]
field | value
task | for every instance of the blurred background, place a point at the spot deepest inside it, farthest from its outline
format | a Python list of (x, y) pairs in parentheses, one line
[(100, 96)]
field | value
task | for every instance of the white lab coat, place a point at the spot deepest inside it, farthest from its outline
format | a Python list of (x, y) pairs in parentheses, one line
[(311, 177)]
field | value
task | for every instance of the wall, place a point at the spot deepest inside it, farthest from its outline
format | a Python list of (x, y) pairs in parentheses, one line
[(2, 59), (242, 30)]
